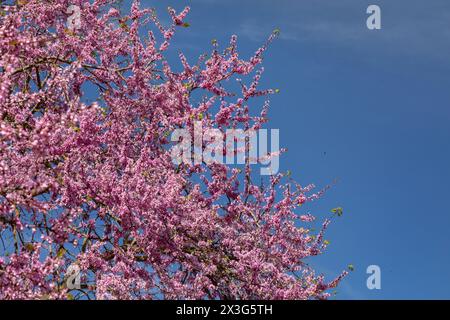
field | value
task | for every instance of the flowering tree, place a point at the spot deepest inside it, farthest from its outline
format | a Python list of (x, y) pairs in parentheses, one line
[(93, 184)]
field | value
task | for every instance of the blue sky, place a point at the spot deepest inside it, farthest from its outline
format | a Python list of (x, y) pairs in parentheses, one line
[(370, 108)]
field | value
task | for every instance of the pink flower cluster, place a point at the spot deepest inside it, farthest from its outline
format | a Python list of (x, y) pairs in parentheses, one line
[(93, 184)]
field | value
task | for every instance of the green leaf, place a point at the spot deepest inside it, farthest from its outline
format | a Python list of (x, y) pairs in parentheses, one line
[(84, 245), (29, 247), (124, 26), (351, 267), (339, 211), (186, 25)]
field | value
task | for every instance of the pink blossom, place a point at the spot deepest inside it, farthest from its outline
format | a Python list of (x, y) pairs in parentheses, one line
[(93, 183)]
